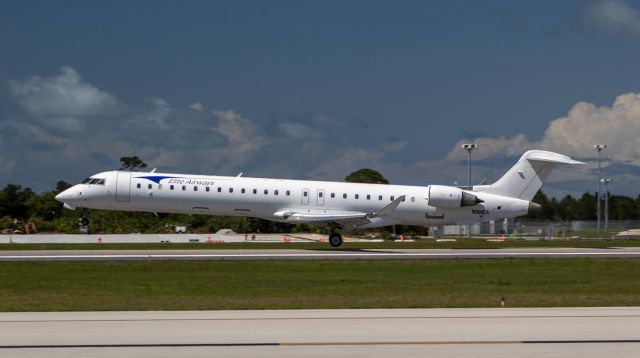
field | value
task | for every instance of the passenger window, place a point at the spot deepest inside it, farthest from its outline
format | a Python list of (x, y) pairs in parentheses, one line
[(255, 191), (344, 196), (368, 197), (184, 187), (305, 193), (333, 195), (231, 190), (171, 186), (391, 197), (266, 191), (138, 185), (288, 193), (195, 188), (219, 189), (242, 190), (275, 192), (206, 188), (379, 197), (320, 194), (357, 196), (149, 186)]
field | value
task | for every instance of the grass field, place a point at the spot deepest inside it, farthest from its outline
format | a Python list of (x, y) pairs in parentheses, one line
[(175, 285), (427, 244)]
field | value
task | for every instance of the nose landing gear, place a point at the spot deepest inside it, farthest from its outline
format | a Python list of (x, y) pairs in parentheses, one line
[(84, 222), (85, 217)]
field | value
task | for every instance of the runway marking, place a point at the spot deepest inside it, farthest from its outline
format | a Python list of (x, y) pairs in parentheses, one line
[(138, 345), (307, 344), (310, 318), (318, 255)]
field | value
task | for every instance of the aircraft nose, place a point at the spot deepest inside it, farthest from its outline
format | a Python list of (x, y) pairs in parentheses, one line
[(65, 196)]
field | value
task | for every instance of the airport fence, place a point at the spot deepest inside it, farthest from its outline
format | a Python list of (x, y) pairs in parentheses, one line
[(544, 229)]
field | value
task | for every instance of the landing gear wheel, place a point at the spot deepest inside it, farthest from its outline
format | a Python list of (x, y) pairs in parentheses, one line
[(335, 239)]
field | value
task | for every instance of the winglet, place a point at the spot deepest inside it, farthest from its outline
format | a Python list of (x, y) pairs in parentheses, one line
[(388, 210)]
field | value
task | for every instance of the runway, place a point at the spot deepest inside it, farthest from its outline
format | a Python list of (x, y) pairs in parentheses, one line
[(268, 254), (549, 332)]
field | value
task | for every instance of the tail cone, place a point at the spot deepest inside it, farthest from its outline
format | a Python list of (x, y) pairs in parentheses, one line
[(534, 208)]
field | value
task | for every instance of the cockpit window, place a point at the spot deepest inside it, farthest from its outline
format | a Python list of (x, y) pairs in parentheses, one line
[(96, 181)]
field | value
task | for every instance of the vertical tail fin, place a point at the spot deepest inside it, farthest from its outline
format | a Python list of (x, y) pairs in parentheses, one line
[(525, 178)]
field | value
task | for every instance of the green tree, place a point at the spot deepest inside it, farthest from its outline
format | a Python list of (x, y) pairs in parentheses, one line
[(366, 175), (568, 207), (13, 201), (586, 207), (548, 207), (62, 185), (132, 163)]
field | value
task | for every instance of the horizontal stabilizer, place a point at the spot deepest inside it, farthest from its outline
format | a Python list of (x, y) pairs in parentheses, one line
[(550, 157), (525, 178)]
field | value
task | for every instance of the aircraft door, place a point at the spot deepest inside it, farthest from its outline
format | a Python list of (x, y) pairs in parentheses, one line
[(320, 198), (123, 186), (305, 196)]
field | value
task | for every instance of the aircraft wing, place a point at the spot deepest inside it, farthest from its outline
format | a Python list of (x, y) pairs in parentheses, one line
[(341, 218), (345, 219)]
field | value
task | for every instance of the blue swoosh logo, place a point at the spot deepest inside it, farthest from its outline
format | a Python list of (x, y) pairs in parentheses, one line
[(156, 178)]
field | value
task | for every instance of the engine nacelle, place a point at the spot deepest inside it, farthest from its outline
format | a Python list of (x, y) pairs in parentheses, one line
[(451, 197)]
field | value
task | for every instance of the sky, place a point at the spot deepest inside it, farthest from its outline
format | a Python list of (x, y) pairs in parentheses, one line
[(318, 89)]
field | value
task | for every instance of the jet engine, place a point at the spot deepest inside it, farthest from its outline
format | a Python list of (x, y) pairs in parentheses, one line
[(451, 197)]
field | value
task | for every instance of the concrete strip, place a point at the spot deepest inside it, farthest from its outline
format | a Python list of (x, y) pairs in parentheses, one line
[(554, 332)]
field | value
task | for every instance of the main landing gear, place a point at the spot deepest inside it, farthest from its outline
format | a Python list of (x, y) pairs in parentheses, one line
[(335, 239)]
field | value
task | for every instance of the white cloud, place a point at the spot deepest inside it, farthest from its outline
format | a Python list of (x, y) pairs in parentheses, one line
[(299, 130), (393, 145), (65, 95), (347, 161), (197, 106), (586, 124), (614, 17), (157, 114), (617, 126), (488, 147), (244, 137)]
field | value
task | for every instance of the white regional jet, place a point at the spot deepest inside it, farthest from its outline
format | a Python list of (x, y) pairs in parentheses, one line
[(338, 205)]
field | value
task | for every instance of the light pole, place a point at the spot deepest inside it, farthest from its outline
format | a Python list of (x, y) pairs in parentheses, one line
[(599, 147), (606, 182), (468, 147)]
